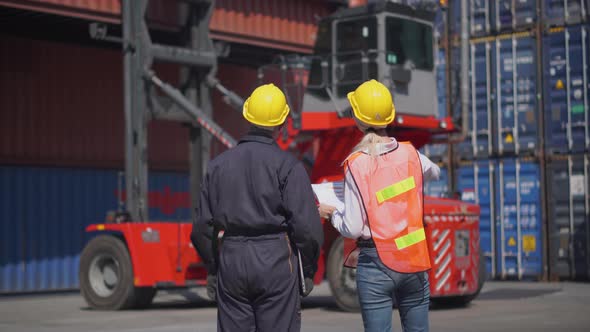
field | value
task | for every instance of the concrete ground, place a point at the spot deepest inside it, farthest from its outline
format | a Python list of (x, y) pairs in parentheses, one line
[(502, 306)]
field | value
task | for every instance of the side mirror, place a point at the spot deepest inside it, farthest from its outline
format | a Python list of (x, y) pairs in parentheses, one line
[(401, 75)]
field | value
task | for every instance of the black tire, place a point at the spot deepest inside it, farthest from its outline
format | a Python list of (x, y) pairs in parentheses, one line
[(342, 280), (106, 252), (462, 301)]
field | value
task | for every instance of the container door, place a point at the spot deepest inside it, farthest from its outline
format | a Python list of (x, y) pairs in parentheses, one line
[(480, 17), (511, 15), (481, 101), (475, 182), (503, 15), (525, 13), (569, 217), (577, 88), (559, 218), (516, 96), (555, 86), (561, 12), (518, 220)]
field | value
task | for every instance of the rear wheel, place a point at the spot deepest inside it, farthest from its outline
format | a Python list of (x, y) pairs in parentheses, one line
[(106, 276), (461, 301), (342, 280)]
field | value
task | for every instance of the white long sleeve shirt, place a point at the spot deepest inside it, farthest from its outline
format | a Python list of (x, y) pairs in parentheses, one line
[(351, 221)]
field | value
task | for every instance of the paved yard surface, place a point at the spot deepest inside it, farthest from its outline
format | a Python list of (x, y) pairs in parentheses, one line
[(502, 306)]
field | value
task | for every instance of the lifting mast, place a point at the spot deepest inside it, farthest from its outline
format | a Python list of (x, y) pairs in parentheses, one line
[(142, 103)]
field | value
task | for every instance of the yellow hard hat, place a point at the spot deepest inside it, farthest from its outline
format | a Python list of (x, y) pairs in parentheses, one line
[(266, 106), (372, 104)]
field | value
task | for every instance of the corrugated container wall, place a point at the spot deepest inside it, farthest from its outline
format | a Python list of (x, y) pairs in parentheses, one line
[(566, 79), (568, 180), (43, 123), (562, 12), (515, 81), (288, 25), (63, 105), (44, 211), (508, 192)]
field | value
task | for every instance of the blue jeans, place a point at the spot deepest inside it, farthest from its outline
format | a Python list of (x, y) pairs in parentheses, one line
[(380, 288)]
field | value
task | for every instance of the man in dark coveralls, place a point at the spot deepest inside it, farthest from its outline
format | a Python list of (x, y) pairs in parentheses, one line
[(261, 197)]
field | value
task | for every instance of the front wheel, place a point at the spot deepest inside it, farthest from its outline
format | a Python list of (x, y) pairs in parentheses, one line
[(106, 276), (342, 279)]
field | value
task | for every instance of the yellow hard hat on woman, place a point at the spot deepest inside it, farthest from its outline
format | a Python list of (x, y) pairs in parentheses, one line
[(372, 104), (266, 106)]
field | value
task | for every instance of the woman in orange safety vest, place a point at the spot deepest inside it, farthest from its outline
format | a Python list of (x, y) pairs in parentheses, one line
[(383, 211)]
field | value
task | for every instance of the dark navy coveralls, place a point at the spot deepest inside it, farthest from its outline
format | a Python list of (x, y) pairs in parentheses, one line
[(261, 197)]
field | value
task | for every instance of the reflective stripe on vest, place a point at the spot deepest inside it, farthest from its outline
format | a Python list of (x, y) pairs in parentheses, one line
[(390, 186), (410, 239), (396, 189)]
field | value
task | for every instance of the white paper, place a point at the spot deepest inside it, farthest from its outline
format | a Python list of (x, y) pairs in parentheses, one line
[(330, 193)]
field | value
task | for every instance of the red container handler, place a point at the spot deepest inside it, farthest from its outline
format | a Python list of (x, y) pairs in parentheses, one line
[(452, 230)]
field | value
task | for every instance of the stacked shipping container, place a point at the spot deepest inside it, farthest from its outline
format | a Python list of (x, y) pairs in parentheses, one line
[(566, 51), (527, 135)]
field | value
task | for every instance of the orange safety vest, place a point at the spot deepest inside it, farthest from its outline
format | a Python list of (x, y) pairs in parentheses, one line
[(390, 186)]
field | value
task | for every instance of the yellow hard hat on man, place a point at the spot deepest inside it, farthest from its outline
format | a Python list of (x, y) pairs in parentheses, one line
[(266, 106), (372, 104)]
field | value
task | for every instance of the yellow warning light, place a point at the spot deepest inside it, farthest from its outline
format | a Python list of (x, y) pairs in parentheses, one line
[(509, 138), (100, 227), (511, 242), (443, 3), (559, 85)]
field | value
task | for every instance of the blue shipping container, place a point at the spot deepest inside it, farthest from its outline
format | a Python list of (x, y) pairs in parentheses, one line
[(567, 89), (518, 220), (475, 182), (568, 180), (515, 81), (511, 15), (440, 187), (479, 142), (562, 12), (44, 212)]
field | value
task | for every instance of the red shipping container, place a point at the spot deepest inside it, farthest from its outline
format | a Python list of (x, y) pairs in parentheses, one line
[(279, 24), (62, 105)]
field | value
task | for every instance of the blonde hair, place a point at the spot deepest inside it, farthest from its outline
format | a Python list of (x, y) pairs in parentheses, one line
[(368, 144)]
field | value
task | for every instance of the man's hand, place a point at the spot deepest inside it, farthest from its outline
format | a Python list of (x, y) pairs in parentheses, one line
[(326, 210), (308, 286), (212, 287)]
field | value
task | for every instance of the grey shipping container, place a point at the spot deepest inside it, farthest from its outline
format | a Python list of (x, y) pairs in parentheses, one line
[(566, 84), (515, 81), (562, 12), (568, 179)]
